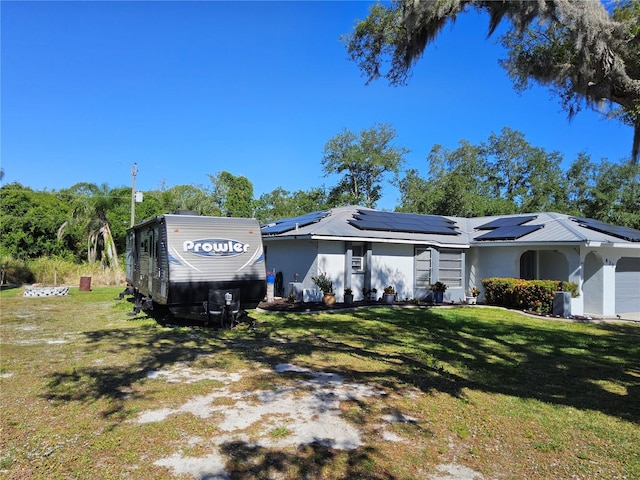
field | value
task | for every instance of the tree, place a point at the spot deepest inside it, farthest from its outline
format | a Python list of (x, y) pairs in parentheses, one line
[(187, 197), (504, 175), (89, 207), (362, 160), (615, 197), (30, 220), (457, 184), (586, 54), (527, 177), (581, 181), (232, 195)]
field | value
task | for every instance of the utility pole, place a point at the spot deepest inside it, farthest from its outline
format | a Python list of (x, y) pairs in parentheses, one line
[(134, 172)]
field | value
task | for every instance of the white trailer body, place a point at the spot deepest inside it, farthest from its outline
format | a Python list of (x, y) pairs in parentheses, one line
[(188, 262)]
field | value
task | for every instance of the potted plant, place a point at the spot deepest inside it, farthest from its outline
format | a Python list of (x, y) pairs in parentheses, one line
[(438, 290), (326, 287), (472, 296), (389, 295), (348, 296)]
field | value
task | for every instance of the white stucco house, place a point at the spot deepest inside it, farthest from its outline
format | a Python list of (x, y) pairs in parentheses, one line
[(359, 247)]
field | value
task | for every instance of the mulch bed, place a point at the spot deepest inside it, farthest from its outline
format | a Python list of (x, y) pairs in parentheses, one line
[(283, 305)]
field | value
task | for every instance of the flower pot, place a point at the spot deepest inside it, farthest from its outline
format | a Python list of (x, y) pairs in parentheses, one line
[(388, 298), (471, 300), (329, 298), (348, 298), (438, 297)]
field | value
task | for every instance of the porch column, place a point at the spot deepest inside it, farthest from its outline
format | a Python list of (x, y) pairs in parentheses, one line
[(609, 289)]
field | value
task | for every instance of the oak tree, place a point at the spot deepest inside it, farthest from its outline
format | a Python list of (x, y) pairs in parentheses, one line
[(589, 55)]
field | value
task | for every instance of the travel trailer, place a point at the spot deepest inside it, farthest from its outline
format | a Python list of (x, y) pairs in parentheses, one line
[(197, 267)]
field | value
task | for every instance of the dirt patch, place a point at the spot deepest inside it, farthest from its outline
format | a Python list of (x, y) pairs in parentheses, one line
[(303, 414)]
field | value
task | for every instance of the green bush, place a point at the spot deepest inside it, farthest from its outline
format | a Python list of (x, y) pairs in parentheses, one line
[(534, 295), (15, 271)]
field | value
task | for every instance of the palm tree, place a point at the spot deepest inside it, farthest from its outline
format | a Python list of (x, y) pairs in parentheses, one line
[(89, 206)]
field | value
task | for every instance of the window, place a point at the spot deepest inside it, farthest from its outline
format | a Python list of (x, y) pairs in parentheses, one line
[(423, 268), (357, 259), (450, 268)]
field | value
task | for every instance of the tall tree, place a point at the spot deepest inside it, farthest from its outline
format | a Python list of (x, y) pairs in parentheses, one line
[(581, 180), (526, 176), (232, 195), (504, 175), (89, 207), (585, 53), (280, 203), (29, 221), (188, 197), (616, 195), (362, 161), (457, 184)]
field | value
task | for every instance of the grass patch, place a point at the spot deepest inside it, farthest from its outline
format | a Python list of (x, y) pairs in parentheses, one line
[(280, 431), (498, 392)]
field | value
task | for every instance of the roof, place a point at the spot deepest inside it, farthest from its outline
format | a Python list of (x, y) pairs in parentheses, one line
[(356, 223)]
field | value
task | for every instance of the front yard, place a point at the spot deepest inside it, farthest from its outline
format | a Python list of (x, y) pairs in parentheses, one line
[(380, 393)]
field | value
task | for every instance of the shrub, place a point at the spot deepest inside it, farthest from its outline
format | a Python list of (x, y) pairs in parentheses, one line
[(534, 295), (15, 271)]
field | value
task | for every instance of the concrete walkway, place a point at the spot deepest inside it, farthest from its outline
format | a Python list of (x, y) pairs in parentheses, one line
[(632, 316)]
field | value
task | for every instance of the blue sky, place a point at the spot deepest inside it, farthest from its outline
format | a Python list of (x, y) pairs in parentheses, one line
[(186, 89)]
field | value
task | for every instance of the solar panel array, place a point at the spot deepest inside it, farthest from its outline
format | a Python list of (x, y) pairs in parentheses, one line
[(625, 233), (282, 226), (509, 233), (403, 222), (507, 222), (508, 228)]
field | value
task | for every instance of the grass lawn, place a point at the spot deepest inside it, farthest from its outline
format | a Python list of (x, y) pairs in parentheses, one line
[(88, 392)]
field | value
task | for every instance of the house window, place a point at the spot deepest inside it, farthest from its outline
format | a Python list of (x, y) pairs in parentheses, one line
[(357, 259), (423, 267), (450, 267)]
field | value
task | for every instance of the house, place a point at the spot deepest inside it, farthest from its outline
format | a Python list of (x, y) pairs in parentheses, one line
[(365, 249)]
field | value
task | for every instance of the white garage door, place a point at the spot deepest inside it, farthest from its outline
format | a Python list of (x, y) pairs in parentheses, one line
[(627, 285)]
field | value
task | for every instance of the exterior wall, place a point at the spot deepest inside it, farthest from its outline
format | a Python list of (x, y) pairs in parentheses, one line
[(392, 265), (296, 259), (330, 261), (495, 262)]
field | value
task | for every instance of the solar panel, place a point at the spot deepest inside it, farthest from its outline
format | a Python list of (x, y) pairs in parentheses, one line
[(626, 233), (287, 224), (507, 222), (509, 233), (403, 222)]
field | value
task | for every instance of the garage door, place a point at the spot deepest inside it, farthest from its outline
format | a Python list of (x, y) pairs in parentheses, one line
[(627, 285)]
